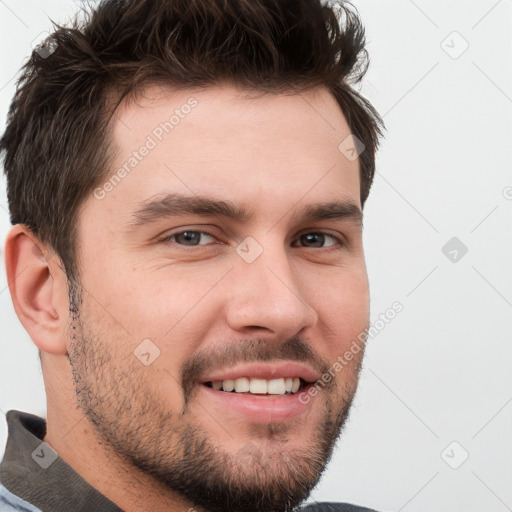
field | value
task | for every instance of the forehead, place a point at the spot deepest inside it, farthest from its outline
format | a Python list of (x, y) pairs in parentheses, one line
[(231, 106), (231, 144)]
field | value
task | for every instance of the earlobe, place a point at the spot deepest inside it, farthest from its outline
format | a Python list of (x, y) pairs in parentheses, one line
[(38, 290)]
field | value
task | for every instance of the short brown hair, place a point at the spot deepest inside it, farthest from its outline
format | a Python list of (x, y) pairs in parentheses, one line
[(56, 147)]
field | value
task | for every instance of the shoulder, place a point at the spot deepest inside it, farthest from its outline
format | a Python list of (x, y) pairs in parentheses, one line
[(334, 507)]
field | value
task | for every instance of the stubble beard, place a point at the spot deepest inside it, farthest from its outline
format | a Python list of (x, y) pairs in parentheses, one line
[(135, 424)]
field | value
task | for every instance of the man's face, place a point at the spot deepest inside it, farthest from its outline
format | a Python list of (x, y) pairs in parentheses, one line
[(271, 296)]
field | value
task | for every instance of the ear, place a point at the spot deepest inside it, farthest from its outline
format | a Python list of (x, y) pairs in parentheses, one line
[(38, 287)]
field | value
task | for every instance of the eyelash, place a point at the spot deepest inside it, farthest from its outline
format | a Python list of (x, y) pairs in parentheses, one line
[(168, 239)]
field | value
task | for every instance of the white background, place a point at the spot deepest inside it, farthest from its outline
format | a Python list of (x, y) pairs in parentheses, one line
[(440, 371)]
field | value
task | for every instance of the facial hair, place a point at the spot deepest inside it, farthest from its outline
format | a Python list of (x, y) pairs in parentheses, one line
[(121, 399)]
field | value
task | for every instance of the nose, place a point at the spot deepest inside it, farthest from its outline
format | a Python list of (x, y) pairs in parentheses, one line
[(270, 295)]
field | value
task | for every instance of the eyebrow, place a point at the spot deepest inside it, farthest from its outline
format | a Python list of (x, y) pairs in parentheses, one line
[(174, 204)]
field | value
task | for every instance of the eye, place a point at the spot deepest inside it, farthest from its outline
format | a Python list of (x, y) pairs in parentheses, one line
[(191, 238), (186, 238), (317, 239)]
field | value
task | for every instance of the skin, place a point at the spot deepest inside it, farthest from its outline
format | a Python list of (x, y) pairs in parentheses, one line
[(121, 424)]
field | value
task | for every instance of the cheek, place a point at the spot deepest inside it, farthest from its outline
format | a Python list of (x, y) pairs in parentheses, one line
[(154, 299), (343, 310), (177, 300)]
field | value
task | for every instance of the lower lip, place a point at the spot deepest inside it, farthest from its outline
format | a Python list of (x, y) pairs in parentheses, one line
[(262, 409)]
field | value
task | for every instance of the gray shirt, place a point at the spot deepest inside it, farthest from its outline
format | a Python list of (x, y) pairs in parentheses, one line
[(33, 478)]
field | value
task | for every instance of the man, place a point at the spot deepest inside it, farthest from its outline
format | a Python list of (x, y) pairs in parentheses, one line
[(186, 181)]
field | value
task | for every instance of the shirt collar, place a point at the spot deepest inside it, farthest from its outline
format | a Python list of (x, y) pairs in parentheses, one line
[(33, 471)]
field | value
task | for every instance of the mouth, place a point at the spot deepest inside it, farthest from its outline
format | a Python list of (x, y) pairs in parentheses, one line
[(259, 387), (260, 392)]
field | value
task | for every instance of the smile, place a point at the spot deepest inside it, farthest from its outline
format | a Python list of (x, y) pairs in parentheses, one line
[(258, 386)]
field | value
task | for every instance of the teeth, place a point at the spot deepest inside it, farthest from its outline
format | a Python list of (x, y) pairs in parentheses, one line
[(276, 387), (258, 386), (228, 385), (242, 385)]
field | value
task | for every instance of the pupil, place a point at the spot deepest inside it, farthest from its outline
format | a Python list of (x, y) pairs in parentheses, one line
[(310, 238), (190, 236)]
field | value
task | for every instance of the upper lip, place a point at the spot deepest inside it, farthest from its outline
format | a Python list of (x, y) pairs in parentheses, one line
[(263, 371)]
